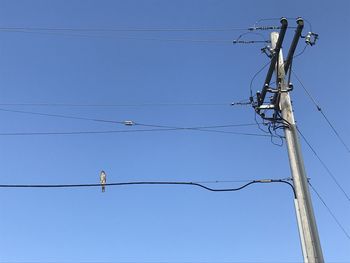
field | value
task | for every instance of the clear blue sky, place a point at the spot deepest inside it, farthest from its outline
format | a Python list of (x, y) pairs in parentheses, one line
[(163, 223)]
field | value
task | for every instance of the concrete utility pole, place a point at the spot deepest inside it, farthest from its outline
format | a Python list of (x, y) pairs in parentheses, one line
[(309, 237)]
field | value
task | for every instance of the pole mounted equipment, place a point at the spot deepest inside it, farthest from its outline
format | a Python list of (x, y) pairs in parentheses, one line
[(311, 38), (261, 96), (282, 113)]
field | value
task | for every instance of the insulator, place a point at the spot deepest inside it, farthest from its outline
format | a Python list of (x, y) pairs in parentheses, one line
[(311, 38), (264, 28), (129, 123)]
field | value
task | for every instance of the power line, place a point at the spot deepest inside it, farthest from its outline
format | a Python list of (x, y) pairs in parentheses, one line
[(128, 123), (148, 183), (330, 212), (230, 132), (324, 166), (61, 116), (88, 105), (323, 114), (57, 33), (117, 105), (277, 19), (196, 128), (127, 29), (158, 127), (128, 131), (69, 31)]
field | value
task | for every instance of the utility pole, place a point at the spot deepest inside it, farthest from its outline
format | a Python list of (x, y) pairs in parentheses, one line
[(280, 103)]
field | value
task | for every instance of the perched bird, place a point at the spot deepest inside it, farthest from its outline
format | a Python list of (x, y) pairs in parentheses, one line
[(103, 180)]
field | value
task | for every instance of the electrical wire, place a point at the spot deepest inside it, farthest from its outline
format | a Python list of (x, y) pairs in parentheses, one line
[(251, 33), (239, 41), (251, 94), (127, 29), (278, 19), (101, 105), (324, 165), (265, 65), (331, 125), (63, 33), (300, 53), (255, 75), (195, 128), (96, 105), (192, 40), (128, 131), (319, 159), (61, 116), (81, 132), (330, 212), (263, 181), (236, 133), (163, 127)]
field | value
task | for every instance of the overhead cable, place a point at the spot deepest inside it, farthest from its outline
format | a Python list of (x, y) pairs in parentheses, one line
[(331, 125), (330, 212), (263, 181), (332, 176), (119, 37), (128, 131), (60, 116), (115, 105), (126, 29), (128, 123)]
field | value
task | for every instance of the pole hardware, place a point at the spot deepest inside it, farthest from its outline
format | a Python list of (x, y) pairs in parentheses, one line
[(311, 38), (277, 112), (268, 51)]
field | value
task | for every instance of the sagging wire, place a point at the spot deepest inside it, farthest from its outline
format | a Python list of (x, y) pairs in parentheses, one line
[(274, 134), (196, 184), (301, 52)]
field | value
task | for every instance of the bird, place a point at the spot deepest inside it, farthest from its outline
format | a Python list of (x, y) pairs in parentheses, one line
[(103, 180)]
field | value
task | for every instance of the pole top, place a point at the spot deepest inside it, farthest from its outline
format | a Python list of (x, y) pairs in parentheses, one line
[(284, 21), (300, 21)]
